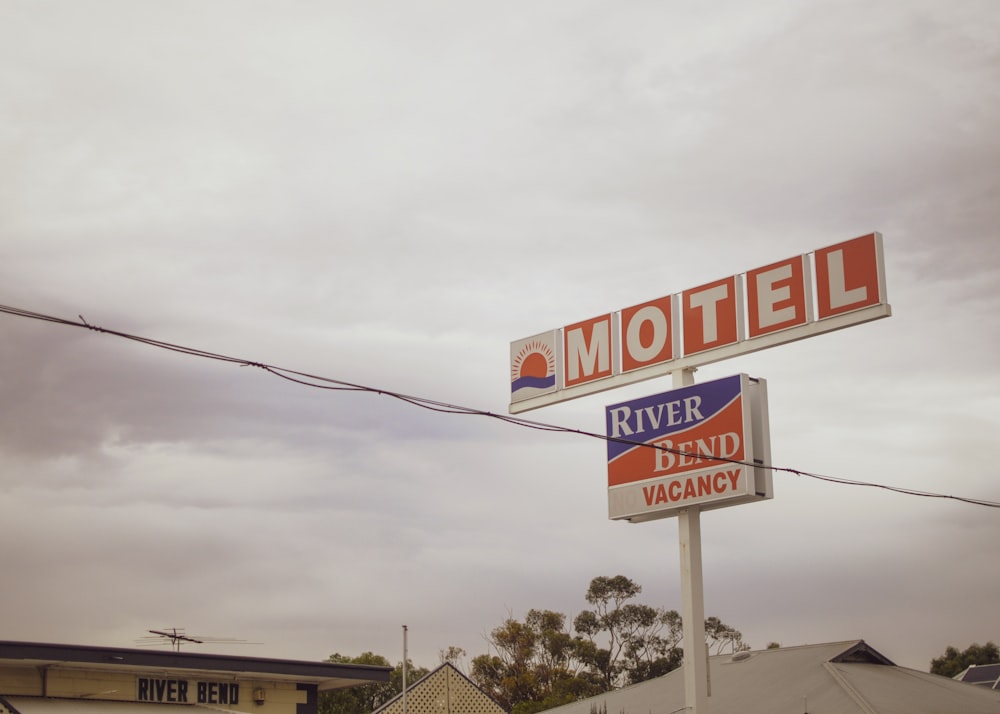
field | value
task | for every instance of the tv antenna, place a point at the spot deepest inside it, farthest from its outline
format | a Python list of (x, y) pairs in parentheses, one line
[(176, 636)]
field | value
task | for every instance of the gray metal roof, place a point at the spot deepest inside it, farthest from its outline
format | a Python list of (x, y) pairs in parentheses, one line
[(986, 675), (842, 677), (327, 675)]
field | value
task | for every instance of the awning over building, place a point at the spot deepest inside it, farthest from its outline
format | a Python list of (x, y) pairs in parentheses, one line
[(44, 705)]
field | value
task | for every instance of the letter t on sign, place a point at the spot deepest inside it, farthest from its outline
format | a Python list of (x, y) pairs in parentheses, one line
[(712, 315)]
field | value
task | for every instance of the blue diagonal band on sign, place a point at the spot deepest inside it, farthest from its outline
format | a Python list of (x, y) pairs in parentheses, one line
[(646, 418)]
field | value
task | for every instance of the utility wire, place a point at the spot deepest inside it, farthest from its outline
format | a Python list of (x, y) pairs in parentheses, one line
[(320, 382)]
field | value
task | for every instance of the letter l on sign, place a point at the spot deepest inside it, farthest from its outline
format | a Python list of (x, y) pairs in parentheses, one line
[(848, 276)]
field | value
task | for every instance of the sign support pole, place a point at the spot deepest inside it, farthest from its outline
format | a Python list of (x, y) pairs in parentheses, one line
[(693, 613), (692, 596)]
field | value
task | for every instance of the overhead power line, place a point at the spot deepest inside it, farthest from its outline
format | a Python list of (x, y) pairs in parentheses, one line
[(320, 382)]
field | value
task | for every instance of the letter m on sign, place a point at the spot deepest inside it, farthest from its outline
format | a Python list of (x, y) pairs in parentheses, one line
[(588, 350)]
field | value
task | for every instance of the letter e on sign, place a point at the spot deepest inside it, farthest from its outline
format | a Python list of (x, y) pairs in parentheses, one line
[(712, 315), (849, 276), (647, 334), (587, 350), (778, 296)]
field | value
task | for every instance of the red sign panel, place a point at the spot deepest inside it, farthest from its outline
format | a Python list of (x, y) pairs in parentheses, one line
[(711, 316), (848, 276), (778, 296), (647, 334), (588, 349)]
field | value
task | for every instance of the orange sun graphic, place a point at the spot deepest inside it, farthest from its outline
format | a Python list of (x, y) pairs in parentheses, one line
[(534, 359)]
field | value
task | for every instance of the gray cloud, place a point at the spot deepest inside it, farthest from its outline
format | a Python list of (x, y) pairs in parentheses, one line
[(390, 198)]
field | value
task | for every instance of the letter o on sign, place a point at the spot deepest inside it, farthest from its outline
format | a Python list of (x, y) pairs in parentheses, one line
[(633, 339), (647, 334)]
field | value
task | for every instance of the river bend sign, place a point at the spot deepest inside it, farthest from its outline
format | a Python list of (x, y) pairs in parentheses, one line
[(704, 445)]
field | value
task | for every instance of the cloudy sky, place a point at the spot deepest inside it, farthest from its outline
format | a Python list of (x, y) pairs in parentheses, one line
[(388, 194)]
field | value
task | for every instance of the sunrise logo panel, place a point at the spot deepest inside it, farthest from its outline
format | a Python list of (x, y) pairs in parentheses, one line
[(703, 445), (534, 365)]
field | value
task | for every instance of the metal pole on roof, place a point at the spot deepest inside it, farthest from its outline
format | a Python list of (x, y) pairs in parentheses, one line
[(404, 669), (692, 595)]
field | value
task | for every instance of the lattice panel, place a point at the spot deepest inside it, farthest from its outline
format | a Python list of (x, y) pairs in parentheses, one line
[(444, 691), (466, 698)]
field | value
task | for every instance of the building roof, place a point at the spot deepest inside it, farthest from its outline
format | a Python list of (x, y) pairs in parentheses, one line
[(842, 677), (442, 691), (985, 675), (326, 675)]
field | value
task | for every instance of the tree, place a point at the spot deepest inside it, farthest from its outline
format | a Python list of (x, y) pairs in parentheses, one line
[(657, 651), (453, 655), (953, 662), (362, 699), (720, 635), (535, 664), (641, 640), (539, 664), (506, 676), (413, 675), (366, 698)]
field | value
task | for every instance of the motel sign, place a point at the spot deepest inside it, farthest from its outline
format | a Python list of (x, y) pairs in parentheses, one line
[(700, 446), (832, 288)]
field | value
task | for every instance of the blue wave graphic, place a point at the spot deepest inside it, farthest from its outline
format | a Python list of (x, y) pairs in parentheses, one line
[(533, 382)]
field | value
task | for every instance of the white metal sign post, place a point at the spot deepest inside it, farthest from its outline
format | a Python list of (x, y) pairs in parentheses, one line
[(692, 596), (693, 612), (677, 453), (701, 446)]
